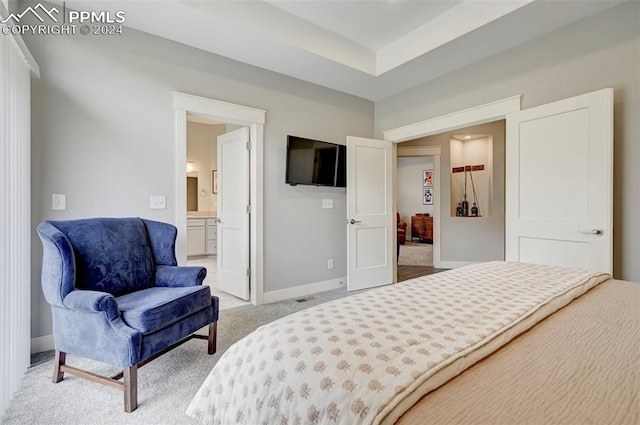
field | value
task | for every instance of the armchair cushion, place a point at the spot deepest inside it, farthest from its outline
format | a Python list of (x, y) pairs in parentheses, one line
[(111, 255), (155, 308)]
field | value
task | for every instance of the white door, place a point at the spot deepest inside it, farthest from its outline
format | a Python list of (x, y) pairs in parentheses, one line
[(559, 183), (371, 240), (233, 217)]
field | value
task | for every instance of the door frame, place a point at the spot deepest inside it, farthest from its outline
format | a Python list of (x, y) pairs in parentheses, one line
[(481, 114), (435, 152), (253, 118)]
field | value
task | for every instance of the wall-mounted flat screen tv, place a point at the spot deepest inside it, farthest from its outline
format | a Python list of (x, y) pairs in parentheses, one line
[(317, 163)]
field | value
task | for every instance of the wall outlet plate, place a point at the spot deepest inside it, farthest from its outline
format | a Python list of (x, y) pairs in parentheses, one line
[(327, 203), (58, 202), (158, 202)]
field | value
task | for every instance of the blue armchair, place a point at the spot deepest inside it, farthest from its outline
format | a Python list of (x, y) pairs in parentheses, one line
[(117, 296)]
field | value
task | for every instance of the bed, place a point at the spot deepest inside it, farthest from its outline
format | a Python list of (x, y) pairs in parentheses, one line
[(480, 344)]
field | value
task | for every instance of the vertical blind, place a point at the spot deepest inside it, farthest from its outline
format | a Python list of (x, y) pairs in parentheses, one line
[(15, 217)]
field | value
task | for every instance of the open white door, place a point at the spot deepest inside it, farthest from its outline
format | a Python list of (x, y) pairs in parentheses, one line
[(559, 183), (233, 217), (371, 242)]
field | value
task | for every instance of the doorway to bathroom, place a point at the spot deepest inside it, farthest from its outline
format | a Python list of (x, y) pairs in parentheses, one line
[(239, 212)]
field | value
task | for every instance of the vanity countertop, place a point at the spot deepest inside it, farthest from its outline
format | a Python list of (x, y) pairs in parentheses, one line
[(201, 214)]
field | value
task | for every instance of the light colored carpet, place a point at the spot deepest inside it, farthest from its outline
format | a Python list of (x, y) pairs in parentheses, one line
[(165, 386), (416, 254)]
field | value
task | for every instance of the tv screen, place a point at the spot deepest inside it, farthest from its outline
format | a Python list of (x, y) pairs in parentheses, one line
[(316, 163)]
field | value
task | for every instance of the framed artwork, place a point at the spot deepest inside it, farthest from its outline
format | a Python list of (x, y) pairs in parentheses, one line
[(427, 198), (214, 181), (427, 177)]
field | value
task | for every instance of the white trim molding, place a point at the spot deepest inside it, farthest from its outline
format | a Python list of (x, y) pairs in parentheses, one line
[(225, 111), (42, 343), (455, 264), (303, 290), (480, 114), (187, 104)]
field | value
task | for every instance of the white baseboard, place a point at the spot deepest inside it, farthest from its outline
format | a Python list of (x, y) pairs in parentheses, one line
[(303, 290), (41, 343), (453, 264)]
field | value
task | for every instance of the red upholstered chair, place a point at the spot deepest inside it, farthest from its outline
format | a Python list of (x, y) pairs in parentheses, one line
[(402, 230)]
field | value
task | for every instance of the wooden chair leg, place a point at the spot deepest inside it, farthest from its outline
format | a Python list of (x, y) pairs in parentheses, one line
[(212, 339), (131, 389), (60, 359)]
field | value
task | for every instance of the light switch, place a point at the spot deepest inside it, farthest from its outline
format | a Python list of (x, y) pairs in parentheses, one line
[(58, 202), (158, 202), (327, 203)]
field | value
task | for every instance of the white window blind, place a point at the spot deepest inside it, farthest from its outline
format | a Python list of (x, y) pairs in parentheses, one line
[(15, 216)]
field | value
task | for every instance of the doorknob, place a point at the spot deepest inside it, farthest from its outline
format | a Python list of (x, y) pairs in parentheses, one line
[(218, 220), (598, 232), (352, 221)]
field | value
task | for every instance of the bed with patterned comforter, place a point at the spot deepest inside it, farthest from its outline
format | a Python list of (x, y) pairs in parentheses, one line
[(369, 357)]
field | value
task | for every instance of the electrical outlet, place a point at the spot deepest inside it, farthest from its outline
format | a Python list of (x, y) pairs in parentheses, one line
[(330, 263), (158, 202), (58, 202), (327, 203)]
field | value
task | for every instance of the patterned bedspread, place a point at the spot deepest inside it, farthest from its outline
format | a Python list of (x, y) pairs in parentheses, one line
[(354, 360)]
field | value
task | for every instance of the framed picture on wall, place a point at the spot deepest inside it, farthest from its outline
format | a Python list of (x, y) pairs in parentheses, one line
[(214, 181), (427, 198), (427, 177)]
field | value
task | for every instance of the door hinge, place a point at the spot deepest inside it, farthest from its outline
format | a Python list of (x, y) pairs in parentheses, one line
[(248, 271), (249, 209), (249, 145)]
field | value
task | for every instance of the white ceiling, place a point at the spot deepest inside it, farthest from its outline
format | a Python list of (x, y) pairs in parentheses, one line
[(367, 48), (371, 24)]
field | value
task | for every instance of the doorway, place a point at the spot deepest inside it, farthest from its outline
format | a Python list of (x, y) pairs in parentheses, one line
[(471, 168), (417, 180), (481, 114), (204, 229), (254, 120), (381, 247)]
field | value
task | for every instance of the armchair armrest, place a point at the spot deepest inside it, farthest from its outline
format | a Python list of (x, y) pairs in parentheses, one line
[(92, 302), (176, 276)]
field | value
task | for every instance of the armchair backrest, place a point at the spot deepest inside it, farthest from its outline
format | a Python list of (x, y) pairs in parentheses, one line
[(114, 255)]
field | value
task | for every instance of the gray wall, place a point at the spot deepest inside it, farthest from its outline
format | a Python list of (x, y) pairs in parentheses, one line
[(601, 51), (103, 134)]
